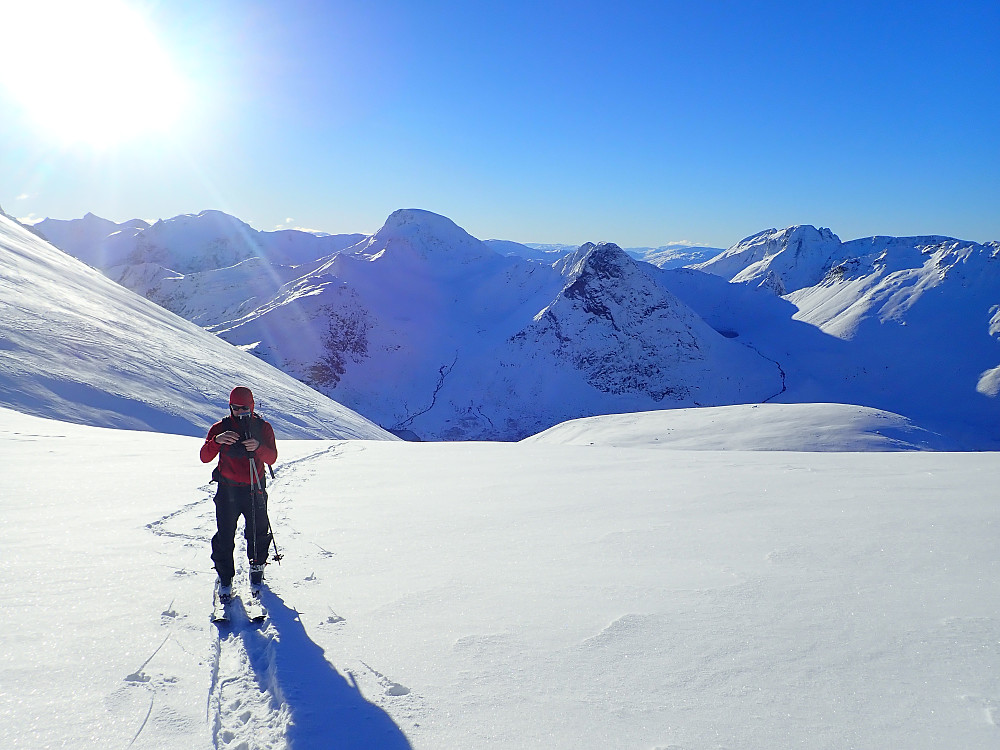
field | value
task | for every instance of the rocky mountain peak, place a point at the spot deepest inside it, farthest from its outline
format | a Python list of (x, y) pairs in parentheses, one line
[(600, 273)]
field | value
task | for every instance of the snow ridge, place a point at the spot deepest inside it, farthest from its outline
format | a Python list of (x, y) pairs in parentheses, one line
[(781, 260)]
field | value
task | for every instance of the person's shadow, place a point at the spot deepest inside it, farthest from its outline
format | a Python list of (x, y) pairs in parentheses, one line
[(327, 710)]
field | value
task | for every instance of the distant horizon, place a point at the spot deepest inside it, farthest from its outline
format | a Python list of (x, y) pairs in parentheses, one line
[(32, 221)]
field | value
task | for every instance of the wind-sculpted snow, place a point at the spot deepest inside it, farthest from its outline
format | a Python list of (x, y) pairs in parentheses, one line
[(79, 347), (507, 595)]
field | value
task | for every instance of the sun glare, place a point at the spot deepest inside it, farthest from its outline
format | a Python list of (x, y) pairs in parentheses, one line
[(88, 72)]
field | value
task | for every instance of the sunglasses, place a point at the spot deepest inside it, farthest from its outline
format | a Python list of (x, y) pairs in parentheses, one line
[(238, 408)]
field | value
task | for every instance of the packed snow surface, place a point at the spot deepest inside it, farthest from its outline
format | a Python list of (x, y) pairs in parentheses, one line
[(499, 595)]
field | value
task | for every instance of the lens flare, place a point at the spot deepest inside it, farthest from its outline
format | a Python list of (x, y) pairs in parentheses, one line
[(89, 72)]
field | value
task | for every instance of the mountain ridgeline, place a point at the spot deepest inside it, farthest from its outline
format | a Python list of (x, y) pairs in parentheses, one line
[(432, 333)]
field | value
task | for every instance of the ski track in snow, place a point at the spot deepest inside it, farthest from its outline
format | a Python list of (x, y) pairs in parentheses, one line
[(255, 666), (246, 707)]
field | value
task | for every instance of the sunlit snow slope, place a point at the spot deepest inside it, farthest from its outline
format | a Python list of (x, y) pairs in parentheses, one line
[(503, 595), (78, 347), (750, 427)]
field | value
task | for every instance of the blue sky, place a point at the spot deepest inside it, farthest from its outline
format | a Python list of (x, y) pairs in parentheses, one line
[(640, 123)]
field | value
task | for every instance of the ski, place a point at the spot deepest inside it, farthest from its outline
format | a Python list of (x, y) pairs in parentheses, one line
[(220, 609), (255, 608)]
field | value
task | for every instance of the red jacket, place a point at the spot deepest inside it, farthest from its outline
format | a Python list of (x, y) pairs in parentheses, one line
[(234, 461)]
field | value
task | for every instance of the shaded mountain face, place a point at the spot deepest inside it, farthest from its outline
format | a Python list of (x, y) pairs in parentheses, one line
[(625, 334), (431, 332)]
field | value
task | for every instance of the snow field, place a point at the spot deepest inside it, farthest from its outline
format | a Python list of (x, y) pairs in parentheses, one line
[(502, 596)]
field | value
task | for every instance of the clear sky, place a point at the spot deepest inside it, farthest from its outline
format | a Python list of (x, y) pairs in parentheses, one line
[(641, 123)]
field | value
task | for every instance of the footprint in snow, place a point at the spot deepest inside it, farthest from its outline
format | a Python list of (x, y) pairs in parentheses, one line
[(393, 689)]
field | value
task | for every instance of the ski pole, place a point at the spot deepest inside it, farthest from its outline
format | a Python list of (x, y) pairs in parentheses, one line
[(277, 557), (254, 494), (255, 481)]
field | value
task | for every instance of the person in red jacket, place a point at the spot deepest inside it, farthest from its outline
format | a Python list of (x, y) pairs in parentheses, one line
[(244, 442)]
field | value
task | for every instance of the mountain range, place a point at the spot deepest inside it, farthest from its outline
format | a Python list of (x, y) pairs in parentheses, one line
[(434, 334)]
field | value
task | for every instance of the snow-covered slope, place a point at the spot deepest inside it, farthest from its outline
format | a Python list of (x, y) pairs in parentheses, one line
[(487, 595), (76, 346), (750, 427)]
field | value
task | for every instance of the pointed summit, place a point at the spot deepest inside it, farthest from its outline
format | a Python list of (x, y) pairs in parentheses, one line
[(600, 276), (627, 335)]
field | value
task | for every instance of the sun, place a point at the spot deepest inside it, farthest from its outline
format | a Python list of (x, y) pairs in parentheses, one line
[(88, 72)]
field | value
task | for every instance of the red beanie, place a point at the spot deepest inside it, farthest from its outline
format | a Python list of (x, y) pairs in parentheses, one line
[(241, 396)]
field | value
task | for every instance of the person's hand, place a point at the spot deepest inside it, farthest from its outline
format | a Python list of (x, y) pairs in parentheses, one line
[(227, 438), (251, 444)]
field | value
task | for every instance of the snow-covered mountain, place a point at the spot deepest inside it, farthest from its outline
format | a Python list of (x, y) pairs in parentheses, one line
[(432, 332), (917, 315), (78, 347), (613, 330), (782, 260), (185, 243)]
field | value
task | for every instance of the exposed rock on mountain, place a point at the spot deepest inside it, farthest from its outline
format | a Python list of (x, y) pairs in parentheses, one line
[(625, 334)]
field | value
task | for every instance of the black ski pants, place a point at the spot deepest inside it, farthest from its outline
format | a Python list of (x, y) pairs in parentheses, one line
[(231, 502)]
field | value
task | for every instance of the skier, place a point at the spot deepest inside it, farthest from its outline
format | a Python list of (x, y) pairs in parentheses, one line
[(244, 442)]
